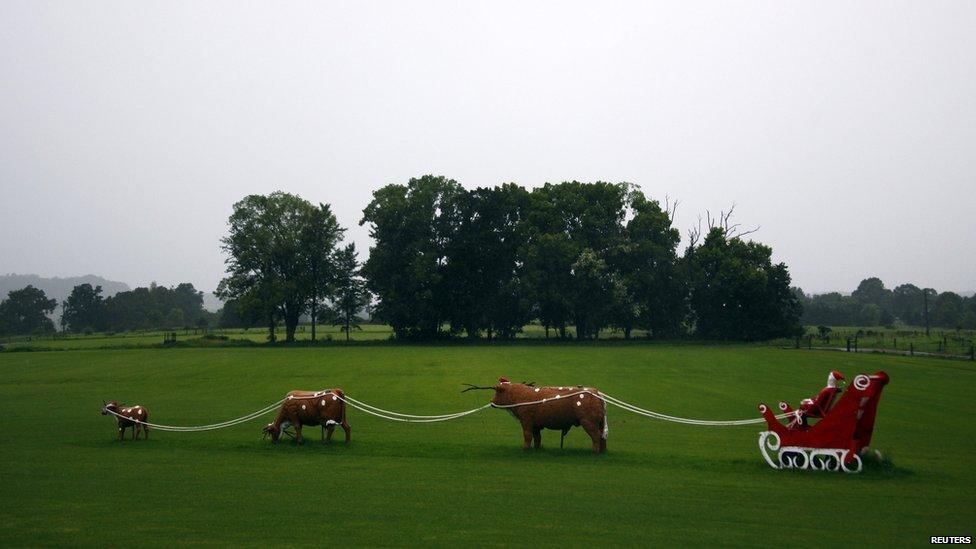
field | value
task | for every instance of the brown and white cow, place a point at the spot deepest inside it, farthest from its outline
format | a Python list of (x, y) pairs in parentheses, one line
[(129, 416), (326, 408), (559, 408)]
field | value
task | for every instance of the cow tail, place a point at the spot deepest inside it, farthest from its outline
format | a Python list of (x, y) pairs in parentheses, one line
[(342, 405), (606, 425)]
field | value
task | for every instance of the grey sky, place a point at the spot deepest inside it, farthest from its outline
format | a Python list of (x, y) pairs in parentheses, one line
[(847, 130)]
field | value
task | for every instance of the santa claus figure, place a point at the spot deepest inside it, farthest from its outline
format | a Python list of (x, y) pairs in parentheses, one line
[(818, 406)]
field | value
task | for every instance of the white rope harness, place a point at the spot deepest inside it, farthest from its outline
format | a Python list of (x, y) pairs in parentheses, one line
[(412, 418)]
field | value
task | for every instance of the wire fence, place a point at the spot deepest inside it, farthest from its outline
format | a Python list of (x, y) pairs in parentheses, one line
[(910, 342)]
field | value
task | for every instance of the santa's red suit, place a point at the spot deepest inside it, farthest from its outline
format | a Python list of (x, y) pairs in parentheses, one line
[(819, 405)]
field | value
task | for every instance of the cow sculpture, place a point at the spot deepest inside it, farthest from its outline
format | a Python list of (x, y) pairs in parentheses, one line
[(326, 408), (559, 408), (129, 416)]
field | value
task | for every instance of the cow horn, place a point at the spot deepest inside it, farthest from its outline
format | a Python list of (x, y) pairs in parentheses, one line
[(473, 387)]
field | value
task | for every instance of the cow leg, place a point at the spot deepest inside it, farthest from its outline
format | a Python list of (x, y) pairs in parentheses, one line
[(328, 432), (347, 429), (298, 433), (145, 432), (590, 427), (563, 437), (537, 438), (121, 433), (527, 438)]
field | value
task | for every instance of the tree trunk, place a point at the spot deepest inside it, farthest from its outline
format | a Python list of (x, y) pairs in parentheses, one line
[(347, 328), (627, 332), (313, 318), (292, 314), (271, 328)]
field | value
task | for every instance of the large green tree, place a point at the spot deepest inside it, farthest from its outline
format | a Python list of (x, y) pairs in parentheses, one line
[(320, 236), (25, 312), (737, 292), (482, 267), (351, 295), (273, 243), (84, 309), (410, 225)]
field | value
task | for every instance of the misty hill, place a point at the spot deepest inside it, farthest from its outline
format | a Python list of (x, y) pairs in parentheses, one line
[(59, 288)]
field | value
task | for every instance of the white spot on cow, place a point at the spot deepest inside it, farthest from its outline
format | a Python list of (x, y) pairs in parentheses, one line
[(290, 397), (560, 388), (558, 396), (581, 397), (537, 389), (323, 403), (579, 403), (303, 406), (334, 397)]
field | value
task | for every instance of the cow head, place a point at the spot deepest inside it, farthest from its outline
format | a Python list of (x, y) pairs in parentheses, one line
[(503, 391), (109, 407), (273, 431)]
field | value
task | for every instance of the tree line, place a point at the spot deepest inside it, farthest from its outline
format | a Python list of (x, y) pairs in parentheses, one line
[(872, 304), (447, 261), (577, 258), (85, 310)]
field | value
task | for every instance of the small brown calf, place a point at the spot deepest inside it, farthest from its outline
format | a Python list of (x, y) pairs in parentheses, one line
[(129, 416)]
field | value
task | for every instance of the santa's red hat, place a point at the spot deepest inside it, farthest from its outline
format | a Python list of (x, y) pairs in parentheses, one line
[(833, 377), (503, 380)]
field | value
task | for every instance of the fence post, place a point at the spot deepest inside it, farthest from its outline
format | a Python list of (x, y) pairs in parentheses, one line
[(810, 342), (911, 348), (797, 342), (855, 344), (848, 345)]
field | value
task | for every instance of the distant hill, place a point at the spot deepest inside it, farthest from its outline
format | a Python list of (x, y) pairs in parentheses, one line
[(58, 288)]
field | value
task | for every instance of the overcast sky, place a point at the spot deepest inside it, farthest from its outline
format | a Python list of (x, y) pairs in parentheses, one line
[(847, 130)]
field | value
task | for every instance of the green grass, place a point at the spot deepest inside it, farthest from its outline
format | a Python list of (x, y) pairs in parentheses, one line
[(67, 482)]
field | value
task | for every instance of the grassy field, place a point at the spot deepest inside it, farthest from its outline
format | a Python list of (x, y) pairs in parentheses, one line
[(67, 482)]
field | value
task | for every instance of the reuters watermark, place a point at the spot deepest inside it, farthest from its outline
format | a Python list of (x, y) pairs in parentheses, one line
[(943, 540)]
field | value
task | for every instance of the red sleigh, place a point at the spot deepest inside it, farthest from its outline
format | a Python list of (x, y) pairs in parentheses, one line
[(833, 443)]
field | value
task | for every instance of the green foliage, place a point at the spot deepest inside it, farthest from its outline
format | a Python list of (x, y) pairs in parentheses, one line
[(84, 309), (871, 304), (351, 295), (279, 247), (737, 293), (25, 312), (410, 225), (149, 308)]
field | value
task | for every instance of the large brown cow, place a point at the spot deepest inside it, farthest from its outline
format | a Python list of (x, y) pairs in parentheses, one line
[(559, 408), (326, 408), (129, 416)]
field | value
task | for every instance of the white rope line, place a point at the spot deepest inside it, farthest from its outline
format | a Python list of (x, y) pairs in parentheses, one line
[(197, 428), (642, 412), (351, 401), (415, 419), (411, 418)]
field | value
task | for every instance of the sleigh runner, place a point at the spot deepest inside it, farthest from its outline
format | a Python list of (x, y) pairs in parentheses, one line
[(835, 442)]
